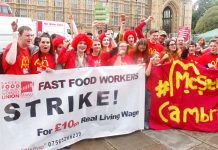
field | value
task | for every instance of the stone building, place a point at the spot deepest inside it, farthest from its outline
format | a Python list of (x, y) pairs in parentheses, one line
[(168, 14)]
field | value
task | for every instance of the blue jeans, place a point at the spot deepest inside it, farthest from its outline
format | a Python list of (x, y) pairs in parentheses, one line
[(147, 104)]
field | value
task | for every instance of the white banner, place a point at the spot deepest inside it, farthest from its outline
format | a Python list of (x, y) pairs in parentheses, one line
[(53, 110)]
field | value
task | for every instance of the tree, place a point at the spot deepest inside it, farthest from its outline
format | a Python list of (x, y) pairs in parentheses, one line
[(199, 8), (208, 21)]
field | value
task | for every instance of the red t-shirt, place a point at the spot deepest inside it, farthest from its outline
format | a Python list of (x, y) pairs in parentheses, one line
[(37, 66), (125, 60), (21, 66), (154, 48), (67, 58), (105, 57), (93, 61), (131, 50), (208, 58), (192, 58)]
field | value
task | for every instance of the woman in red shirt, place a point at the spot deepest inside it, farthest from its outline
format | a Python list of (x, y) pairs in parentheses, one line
[(141, 52), (57, 43), (44, 59), (75, 56), (121, 58), (94, 59), (171, 52)]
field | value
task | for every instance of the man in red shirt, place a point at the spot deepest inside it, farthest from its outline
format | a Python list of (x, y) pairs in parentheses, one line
[(153, 43), (162, 37), (16, 57), (180, 41), (210, 59)]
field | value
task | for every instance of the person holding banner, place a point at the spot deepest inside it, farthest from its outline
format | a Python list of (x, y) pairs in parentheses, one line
[(44, 58), (16, 57), (75, 56), (141, 52), (190, 53), (121, 58), (171, 53), (154, 61), (210, 59), (94, 58), (57, 43)]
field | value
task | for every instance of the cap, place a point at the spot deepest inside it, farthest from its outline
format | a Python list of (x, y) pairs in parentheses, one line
[(163, 33)]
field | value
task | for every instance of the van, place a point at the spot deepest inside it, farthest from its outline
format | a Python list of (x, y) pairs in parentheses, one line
[(5, 10), (61, 28)]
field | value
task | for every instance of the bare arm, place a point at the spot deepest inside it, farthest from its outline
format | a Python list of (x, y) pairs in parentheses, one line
[(148, 69), (94, 30), (12, 53), (73, 26)]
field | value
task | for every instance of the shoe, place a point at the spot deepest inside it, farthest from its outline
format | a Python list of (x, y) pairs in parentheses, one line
[(146, 125)]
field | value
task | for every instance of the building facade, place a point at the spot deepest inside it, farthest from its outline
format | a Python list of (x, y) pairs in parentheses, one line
[(168, 14)]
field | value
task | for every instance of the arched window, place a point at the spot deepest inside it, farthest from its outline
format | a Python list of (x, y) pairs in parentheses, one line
[(167, 19)]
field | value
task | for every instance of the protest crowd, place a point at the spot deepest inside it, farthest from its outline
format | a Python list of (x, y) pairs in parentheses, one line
[(26, 55)]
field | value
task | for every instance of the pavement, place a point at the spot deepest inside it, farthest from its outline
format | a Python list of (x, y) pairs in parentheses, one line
[(152, 140)]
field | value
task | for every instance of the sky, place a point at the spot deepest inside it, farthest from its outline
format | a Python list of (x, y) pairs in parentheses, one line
[(193, 1)]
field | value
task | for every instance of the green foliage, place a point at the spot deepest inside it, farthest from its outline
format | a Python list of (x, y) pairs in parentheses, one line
[(199, 8), (208, 21)]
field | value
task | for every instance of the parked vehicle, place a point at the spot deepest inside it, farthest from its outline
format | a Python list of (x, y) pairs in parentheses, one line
[(61, 28), (5, 10), (51, 27)]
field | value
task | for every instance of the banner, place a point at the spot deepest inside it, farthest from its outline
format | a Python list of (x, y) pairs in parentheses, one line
[(184, 32), (53, 110), (185, 96)]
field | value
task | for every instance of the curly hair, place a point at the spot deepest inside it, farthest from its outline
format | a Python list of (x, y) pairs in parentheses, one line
[(130, 32), (57, 40), (82, 37)]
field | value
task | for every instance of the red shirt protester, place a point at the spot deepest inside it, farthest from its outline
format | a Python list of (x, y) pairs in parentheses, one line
[(21, 66), (47, 61)]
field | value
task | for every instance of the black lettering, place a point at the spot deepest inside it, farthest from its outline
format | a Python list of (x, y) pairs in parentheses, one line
[(84, 100), (54, 84), (100, 98), (62, 83), (10, 110), (33, 107), (55, 106), (47, 85), (71, 103), (41, 84)]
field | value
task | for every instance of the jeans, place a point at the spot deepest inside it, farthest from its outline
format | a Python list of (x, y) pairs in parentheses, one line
[(147, 104)]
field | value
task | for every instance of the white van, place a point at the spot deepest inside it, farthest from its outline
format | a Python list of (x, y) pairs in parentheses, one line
[(6, 30), (61, 28)]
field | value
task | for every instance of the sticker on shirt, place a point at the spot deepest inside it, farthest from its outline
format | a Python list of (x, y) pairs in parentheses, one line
[(41, 65), (25, 62)]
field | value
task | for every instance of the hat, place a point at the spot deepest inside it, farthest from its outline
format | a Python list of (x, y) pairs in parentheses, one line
[(82, 37), (57, 40), (163, 33)]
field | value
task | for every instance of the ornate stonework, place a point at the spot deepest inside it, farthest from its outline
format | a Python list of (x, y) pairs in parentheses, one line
[(180, 10)]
